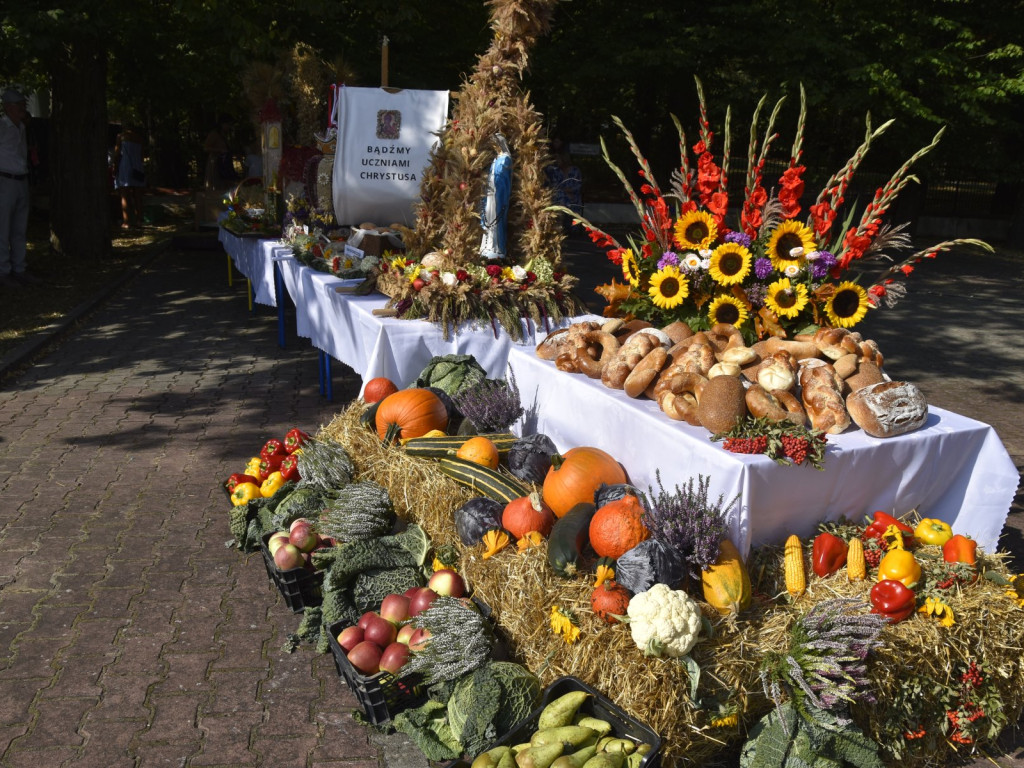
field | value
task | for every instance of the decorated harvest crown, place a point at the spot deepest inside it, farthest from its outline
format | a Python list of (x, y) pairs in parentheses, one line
[(773, 275)]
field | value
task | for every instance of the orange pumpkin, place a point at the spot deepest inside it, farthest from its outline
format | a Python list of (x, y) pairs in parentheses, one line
[(378, 388), (410, 413), (479, 450), (526, 514), (609, 600), (576, 476), (617, 527)]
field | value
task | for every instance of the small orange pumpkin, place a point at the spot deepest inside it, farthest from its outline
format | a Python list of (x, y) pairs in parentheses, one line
[(526, 514), (609, 600), (479, 450), (410, 413), (617, 527), (576, 476), (378, 388)]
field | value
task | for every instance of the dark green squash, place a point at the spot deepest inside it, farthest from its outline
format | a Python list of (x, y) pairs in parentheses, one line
[(568, 538), (476, 517), (530, 458), (369, 416)]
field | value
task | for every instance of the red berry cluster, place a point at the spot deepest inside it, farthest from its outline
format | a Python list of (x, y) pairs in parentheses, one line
[(873, 556), (795, 448), (972, 677), (969, 711), (746, 444)]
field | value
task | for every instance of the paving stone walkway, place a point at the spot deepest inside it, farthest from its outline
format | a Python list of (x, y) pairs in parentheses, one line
[(130, 635)]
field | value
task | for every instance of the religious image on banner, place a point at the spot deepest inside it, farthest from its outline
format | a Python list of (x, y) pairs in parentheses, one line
[(384, 144)]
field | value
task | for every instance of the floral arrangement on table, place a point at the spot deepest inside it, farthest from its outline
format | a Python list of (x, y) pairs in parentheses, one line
[(247, 211), (769, 274), (317, 242)]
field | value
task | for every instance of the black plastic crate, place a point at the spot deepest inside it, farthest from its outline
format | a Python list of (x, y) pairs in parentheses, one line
[(301, 588), (597, 705), (381, 696)]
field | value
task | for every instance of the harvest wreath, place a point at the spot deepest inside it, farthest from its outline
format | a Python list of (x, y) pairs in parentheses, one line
[(765, 660)]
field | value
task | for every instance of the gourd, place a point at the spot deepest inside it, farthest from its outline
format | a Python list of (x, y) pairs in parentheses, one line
[(609, 600), (576, 476), (795, 573), (617, 527), (482, 480), (435, 446), (526, 514), (727, 583), (378, 388), (568, 538), (530, 458), (480, 451), (476, 517), (410, 413)]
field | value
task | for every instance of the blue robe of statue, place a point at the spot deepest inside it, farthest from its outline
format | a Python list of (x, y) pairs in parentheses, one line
[(494, 211)]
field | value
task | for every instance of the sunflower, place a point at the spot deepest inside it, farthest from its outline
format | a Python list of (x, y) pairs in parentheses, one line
[(785, 299), (668, 288), (847, 306), (727, 309), (630, 268), (730, 264), (696, 230), (787, 236)]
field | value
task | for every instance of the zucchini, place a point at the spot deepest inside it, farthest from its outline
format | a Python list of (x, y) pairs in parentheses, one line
[(568, 538), (369, 417), (436, 447), (484, 481)]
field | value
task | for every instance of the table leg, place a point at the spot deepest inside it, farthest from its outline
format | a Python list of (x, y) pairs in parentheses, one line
[(320, 370), (280, 296), (231, 271), (248, 282), (327, 375)]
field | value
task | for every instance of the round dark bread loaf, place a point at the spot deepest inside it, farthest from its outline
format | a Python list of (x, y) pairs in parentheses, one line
[(888, 408), (722, 404)]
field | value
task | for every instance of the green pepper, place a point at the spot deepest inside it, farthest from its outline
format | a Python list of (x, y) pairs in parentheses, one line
[(893, 600), (828, 554), (932, 531), (960, 549)]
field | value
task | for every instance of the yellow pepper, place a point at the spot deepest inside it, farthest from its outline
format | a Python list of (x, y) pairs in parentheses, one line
[(271, 485), (900, 565), (932, 531), (253, 467), (244, 493)]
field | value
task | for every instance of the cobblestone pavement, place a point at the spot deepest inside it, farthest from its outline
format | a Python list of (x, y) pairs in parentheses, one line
[(130, 635)]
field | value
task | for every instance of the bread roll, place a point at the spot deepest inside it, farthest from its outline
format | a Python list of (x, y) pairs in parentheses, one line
[(645, 371), (722, 404), (554, 344), (867, 373), (777, 372), (680, 397), (678, 331), (888, 408), (621, 364)]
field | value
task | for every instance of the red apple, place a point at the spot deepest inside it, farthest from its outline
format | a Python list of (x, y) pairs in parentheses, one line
[(365, 619), (287, 557), (380, 631), (411, 591), (365, 657), (419, 639), (297, 521), (304, 537), (395, 608), (405, 633), (394, 657), (350, 637), (448, 583), (418, 284), (421, 600), (275, 541)]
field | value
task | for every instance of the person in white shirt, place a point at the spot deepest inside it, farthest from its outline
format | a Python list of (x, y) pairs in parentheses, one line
[(14, 199)]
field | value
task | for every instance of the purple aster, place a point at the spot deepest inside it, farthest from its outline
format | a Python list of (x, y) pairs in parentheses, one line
[(738, 237), (821, 266), (668, 259), (755, 294), (762, 268)]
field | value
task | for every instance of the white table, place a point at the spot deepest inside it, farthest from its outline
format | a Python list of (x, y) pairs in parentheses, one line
[(953, 468), (254, 258)]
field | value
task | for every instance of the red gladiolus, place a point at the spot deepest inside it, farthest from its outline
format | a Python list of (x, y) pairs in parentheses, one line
[(792, 189)]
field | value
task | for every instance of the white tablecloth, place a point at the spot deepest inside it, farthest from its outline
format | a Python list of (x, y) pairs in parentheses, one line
[(953, 468), (253, 257)]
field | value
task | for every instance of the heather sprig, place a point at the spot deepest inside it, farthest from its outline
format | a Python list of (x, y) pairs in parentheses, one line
[(492, 405), (687, 522)]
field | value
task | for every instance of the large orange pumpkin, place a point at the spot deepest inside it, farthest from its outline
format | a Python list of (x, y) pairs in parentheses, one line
[(410, 413), (526, 514), (575, 476), (617, 527)]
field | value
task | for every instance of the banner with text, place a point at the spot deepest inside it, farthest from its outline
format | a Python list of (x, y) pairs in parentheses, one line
[(384, 143)]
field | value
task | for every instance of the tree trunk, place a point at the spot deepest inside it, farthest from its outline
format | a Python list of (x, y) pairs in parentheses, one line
[(80, 199)]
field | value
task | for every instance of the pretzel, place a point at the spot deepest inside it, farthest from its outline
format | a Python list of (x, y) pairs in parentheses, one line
[(681, 396), (589, 362)]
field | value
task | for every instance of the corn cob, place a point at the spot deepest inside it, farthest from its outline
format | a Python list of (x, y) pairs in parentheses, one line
[(796, 576), (856, 567)]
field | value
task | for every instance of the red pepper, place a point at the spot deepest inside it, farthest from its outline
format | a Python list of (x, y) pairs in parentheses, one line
[(960, 549), (828, 554), (294, 439), (290, 468), (270, 464), (893, 599), (271, 448), (237, 479), (881, 524)]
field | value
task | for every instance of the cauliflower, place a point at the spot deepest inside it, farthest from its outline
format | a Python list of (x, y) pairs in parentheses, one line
[(664, 622)]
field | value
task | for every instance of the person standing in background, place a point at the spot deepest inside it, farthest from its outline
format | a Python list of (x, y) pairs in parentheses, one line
[(131, 176), (14, 195)]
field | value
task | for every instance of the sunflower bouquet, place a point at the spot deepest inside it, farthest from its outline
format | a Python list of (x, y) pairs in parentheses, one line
[(769, 273)]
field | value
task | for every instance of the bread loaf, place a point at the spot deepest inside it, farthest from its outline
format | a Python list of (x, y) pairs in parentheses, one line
[(867, 373), (888, 408), (722, 404), (645, 371)]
